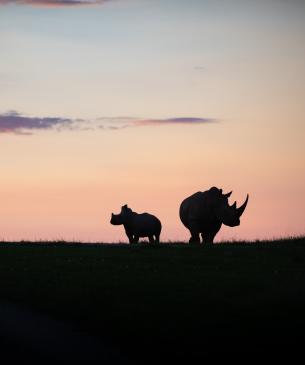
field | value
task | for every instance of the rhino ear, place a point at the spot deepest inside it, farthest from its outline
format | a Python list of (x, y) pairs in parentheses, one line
[(228, 194), (124, 206), (215, 191)]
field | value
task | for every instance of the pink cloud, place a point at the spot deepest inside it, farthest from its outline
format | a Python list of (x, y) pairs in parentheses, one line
[(180, 120), (14, 122), (115, 123)]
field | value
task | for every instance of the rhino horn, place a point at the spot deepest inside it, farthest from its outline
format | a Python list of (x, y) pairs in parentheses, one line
[(234, 205), (241, 209), (228, 194)]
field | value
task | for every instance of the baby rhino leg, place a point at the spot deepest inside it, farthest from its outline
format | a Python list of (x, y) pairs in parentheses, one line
[(136, 239), (130, 238)]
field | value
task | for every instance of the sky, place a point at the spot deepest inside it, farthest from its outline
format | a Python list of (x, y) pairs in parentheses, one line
[(145, 102)]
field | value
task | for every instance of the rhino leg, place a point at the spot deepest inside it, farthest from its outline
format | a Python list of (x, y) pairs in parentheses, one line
[(151, 239), (157, 238), (135, 239), (194, 238), (194, 230), (130, 238), (207, 238)]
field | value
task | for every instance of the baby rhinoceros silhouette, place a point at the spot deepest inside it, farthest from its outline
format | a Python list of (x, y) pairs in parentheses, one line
[(138, 225)]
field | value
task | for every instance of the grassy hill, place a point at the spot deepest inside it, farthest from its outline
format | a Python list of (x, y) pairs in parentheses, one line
[(172, 301)]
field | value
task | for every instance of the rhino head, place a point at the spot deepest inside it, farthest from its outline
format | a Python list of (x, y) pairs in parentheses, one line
[(122, 218), (228, 214)]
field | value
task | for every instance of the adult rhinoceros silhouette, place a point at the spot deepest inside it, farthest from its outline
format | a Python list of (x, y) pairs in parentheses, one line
[(204, 213)]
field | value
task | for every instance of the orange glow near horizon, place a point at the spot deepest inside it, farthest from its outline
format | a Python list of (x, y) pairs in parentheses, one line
[(72, 197)]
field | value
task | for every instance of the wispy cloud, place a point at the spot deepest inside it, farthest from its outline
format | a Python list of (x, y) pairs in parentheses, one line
[(179, 120), (124, 122), (16, 123), (54, 3), (13, 122)]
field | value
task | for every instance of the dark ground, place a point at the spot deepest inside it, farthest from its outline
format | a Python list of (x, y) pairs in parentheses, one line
[(123, 304)]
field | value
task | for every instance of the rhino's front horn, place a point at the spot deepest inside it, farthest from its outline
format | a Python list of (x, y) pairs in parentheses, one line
[(241, 209)]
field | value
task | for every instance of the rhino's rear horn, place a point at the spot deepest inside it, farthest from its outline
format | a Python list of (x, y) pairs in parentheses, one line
[(233, 205), (241, 209)]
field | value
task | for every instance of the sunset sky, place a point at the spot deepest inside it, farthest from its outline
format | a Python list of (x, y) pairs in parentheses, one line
[(144, 102)]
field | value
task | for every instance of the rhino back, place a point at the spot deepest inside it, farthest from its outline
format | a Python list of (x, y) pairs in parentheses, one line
[(196, 208), (146, 224)]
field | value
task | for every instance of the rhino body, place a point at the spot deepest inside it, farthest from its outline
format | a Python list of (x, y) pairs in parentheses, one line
[(138, 225), (203, 213)]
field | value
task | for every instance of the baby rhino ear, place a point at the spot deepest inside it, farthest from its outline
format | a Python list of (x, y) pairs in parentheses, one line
[(124, 208)]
